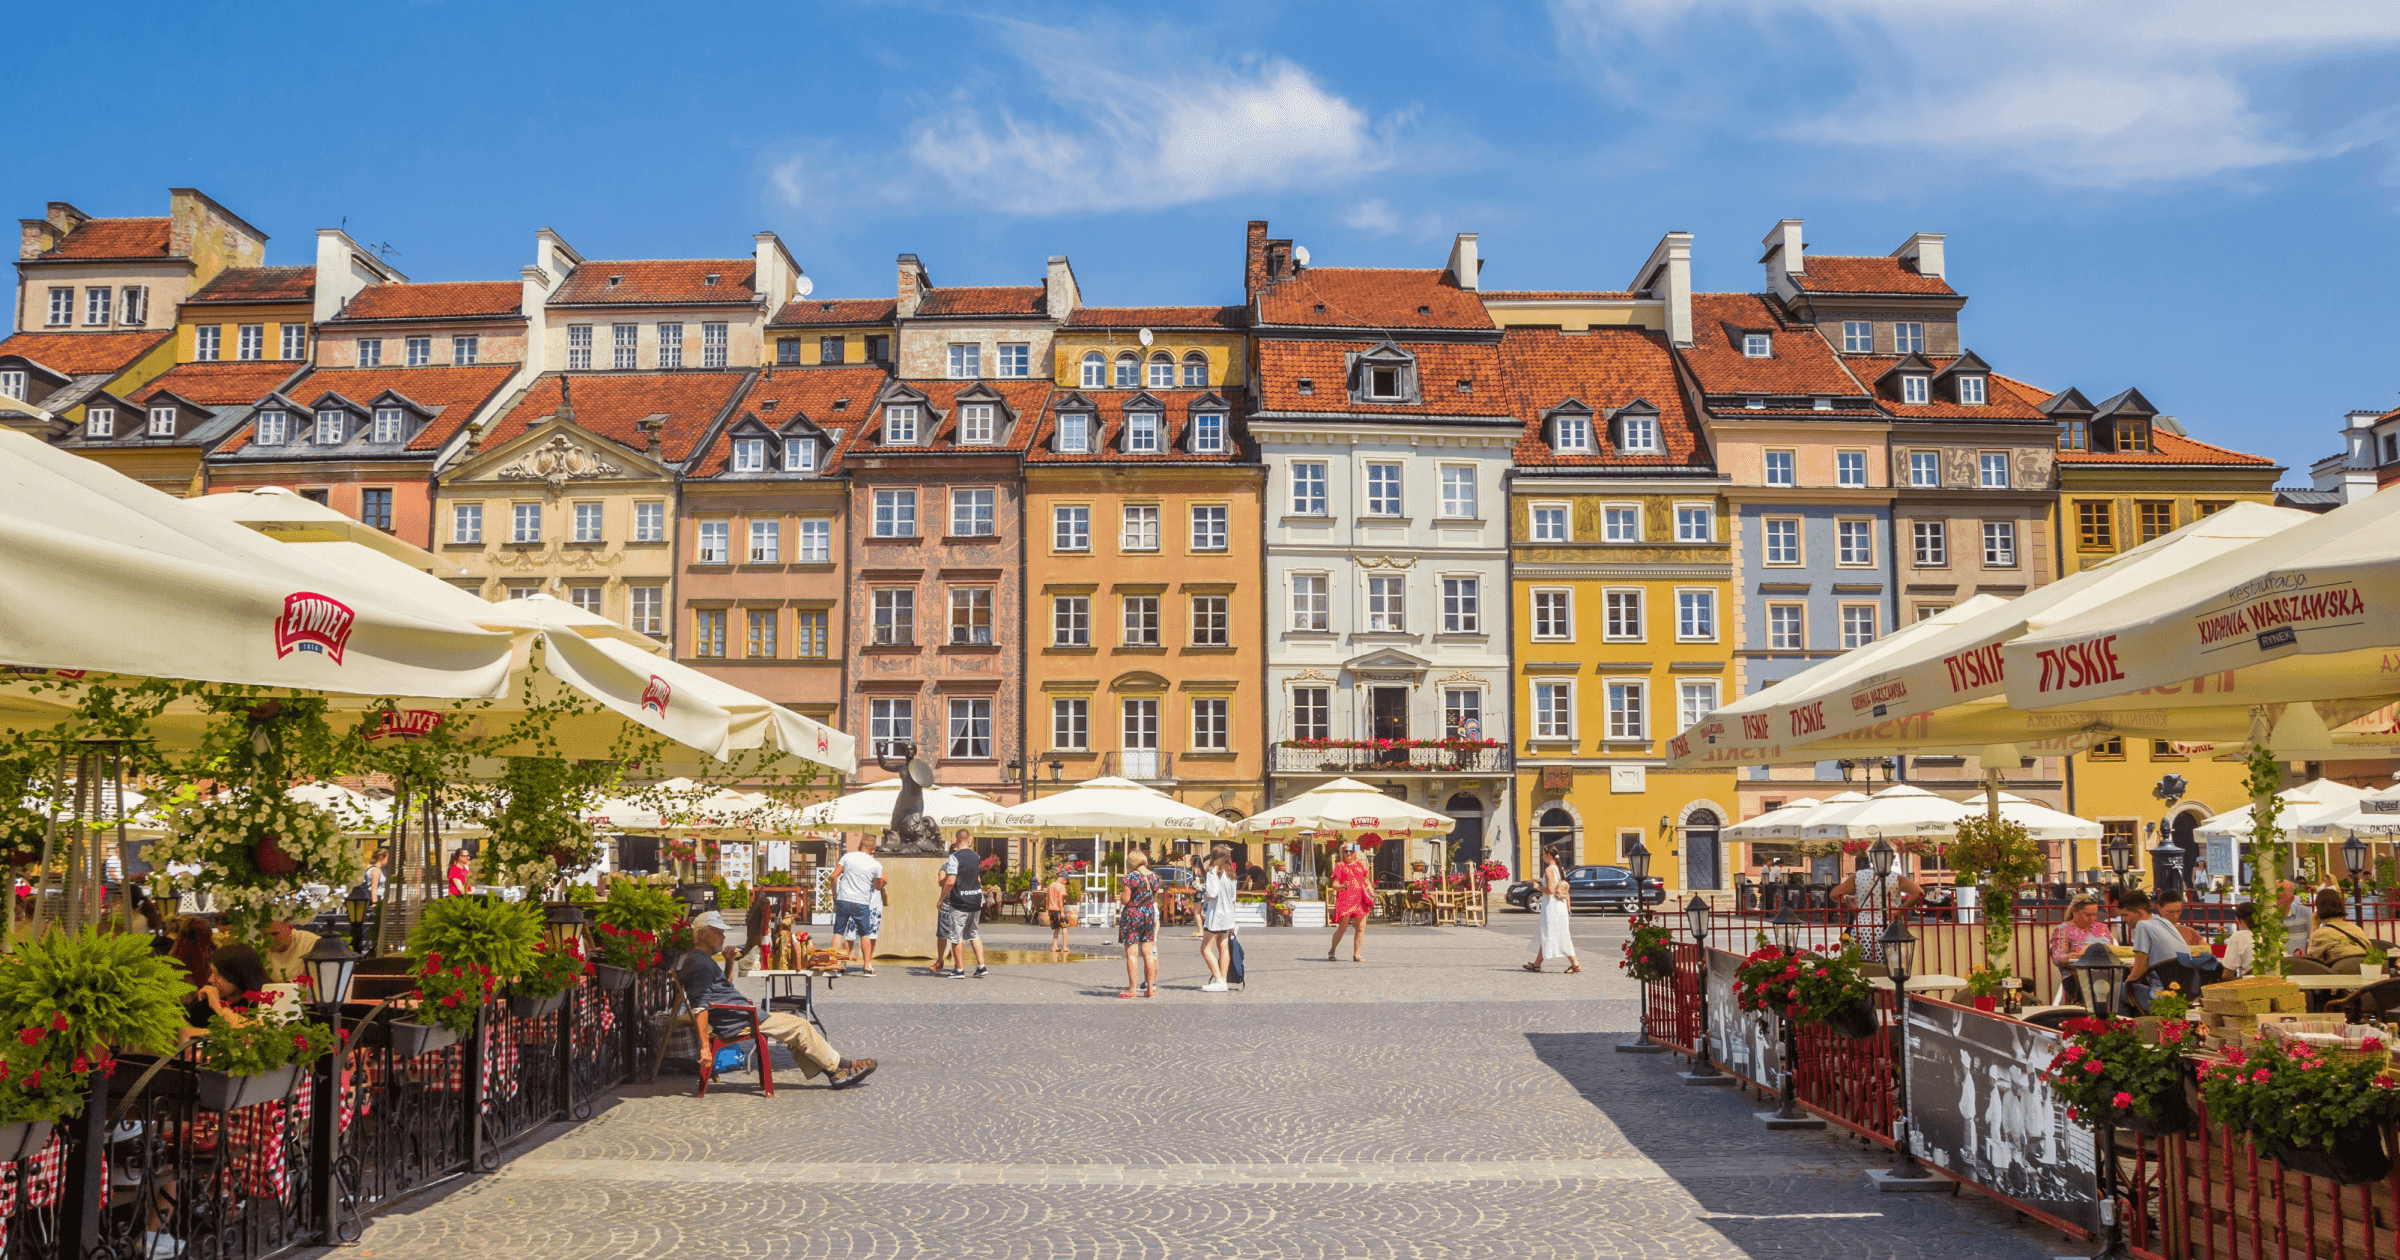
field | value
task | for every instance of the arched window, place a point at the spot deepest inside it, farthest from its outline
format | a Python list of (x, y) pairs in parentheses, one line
[(1095, 370), (1162, 371), (1195, 370), (1555, 829), (1129, 371)]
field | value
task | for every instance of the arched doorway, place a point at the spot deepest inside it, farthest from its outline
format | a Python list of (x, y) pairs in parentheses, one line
[(1555, 828), (1465, 840), (1703, 856)]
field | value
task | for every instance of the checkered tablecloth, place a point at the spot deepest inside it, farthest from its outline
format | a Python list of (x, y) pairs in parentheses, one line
[(36, 1182)]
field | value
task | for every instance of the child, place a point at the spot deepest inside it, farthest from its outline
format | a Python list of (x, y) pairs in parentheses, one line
[(1054, 909)]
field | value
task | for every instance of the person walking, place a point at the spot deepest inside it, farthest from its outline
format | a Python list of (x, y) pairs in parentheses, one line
[(857, 878), (1353, 900), (1554, 941), (1874, 899), (459, 875), (961, 909), (1137, 925), (1218, 888), (1054, 909)]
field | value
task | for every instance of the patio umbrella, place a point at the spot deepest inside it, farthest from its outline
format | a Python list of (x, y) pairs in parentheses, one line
[(1899, 811), (1115, 806), (286, 517), (1784, 821), (683, 807), (1344, 809), (2373, 816), (2319, 800), (2044, 823)]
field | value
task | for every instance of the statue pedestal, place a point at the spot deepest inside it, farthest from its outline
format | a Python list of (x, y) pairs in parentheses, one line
[(912, 892)]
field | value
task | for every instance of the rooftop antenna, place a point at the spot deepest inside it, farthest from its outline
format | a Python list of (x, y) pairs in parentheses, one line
[(804, 286), (1300, 255)]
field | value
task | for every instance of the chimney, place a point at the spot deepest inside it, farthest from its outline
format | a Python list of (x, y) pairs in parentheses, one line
[(1786, 256), (775, 275), (1254, 258), (64, 217), (36, 237), (1925, 250), (1058, 284), (1463, 266), (1667, 276), (344, 270), (914, 285)]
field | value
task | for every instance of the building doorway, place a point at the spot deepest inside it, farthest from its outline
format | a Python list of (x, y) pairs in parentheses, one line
[(1555, 829), (1465, 840), (1703, 854), (1387, 718)]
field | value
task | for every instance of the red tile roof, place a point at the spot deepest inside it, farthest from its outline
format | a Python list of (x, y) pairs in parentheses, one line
[(115, 238), (1282, 365), (805, 312), (259, 284), (1603, 369), (1834, 273), (608, 404), (1016, 300), (1554, 295), (810, 393), (658, 282), (1230, 318), (1371, 297), (1799, 363), (1026, 398), (2002, 404), (1108, 411), (456, 299), (452, 394), (83, 354), (232, 384), (2172, 450), (2031, 395)]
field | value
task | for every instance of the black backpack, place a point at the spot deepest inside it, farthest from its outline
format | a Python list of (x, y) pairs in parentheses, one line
[(1233, 961)]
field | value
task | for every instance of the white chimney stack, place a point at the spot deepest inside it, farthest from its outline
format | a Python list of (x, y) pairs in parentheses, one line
[(1667, 276), (1463, 265), (1924, 249), (1786, 256)]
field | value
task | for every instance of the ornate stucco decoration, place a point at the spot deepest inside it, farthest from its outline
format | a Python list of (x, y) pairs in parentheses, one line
[(558, 461)]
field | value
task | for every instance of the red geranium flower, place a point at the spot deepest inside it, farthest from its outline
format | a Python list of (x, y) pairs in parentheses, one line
[(58, 1022), (30, 1036)]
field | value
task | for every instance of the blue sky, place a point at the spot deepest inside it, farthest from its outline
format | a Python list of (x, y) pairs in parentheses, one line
[(2196, 199)]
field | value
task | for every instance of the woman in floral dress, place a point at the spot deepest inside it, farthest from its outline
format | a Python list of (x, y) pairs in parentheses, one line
[(1352, 901), (1137, 925)]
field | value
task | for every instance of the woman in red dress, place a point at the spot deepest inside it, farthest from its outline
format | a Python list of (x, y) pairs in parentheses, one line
[(1351, 901)]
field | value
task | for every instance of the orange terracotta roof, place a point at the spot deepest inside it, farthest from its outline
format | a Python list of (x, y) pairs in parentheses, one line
[(1018, 300), (658, 282), (1799, 362), (2031, 395), (1026, 398), (258, 284), (805, 312), (1603, 369), (115, 238), (609, 403), (1230, 318), (1371, 297), (1554, 295), (1834, 273), (1108, 411), (836, 398), (83, 354), (2002, 404), (2172, 450), (452, 394), (232, 384), (455, 299), (1282, 365)]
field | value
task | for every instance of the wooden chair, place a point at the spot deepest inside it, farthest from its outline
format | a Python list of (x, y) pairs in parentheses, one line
[(1445, 909), (1474, 909), (708, 1046)]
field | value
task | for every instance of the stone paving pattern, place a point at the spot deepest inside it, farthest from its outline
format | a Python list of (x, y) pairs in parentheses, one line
[(1432, 1101)]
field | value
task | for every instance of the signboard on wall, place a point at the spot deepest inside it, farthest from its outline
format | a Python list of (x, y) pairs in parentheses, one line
[(779, 855), (737, 863), (1558, 779), (1977, 1106)]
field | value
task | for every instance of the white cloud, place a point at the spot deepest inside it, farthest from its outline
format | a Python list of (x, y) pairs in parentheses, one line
[(1372, 215)]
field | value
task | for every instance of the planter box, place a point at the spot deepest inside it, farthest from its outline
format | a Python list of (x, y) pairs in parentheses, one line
[(410, 1040), (535, 1008), (22, 1141), (1308, 914), (613, 979), (220, 1092), (1250, 914)]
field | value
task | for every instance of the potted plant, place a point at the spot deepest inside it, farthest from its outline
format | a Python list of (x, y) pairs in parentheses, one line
[(2170, 1006), (1809, 987), (261, 855), (2371, 966), (537, 830), (1984, 986), (70, 1002), (448, 994), (542, 988), (1649, 952), (2306, 1112), (259, 1058), (2110, 1070), (626, 930), (1997, 856)]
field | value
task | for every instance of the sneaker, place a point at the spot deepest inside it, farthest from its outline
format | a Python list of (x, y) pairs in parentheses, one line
[(868, 972), (161, 1246), (859, 1070), (981, 972), (1214, 986), (958, 973)]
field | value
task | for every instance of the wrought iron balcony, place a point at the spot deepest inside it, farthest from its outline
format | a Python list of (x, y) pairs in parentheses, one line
[(1142, 765)]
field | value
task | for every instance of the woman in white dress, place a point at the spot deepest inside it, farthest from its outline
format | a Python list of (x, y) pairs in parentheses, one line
[(1554, 942)]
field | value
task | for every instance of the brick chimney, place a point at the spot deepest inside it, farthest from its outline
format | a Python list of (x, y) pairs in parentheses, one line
[(64, 217), (1464, 267), (1059, 288), (914, 285), (36, 237), (1254, 259), (1925, 250)]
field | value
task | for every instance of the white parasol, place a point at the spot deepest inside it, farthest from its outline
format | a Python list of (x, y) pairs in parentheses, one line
[(1784, 821), (1111, 806), (2044, 823), (1899, 811), (2309, 803), (868, 810), (1345, 809)]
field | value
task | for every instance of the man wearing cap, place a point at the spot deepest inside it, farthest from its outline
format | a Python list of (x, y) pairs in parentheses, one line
[(704, 984)]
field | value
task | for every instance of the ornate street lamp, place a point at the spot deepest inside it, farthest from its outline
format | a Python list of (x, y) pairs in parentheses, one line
[(2354, 860), (1787, 935), (330, 964), (1637, 860), (2103, 981), (562, 924), (1899, 952), (2166, 864), (1696, 916)]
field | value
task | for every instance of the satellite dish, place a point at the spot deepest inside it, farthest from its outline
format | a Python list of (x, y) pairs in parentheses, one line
[(804, 286), (1146, 336), (1300, 254)]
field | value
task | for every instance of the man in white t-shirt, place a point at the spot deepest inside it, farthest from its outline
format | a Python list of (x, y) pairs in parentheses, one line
[(856, 880)]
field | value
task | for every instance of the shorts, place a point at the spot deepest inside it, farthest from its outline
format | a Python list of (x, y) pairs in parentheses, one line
[(1055, 918), (954, 924), (850, 919)]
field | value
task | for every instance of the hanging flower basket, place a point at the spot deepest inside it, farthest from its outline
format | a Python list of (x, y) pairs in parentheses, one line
[(2355, 1157), (23, 1141), (1855, 1020), (536, 1007), (1808, 987), (258, 854), (410, 1040), (21, 834), (2308, 1112), (224, 1091), (613, 979)]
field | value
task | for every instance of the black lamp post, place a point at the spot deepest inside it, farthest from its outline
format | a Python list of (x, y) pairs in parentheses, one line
[(330, 964), (562, 923), (1637, 860), (2354, 860), (2166, 864), (1695, 919), (2103, 981), (1899, 953), (1787, 935)]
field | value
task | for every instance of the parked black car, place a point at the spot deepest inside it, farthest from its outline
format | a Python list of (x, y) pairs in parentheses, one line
[(1603, 888)]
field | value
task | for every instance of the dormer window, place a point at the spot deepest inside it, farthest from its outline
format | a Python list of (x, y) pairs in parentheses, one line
[(614, 281), (1141, 433), (12, 384), (1074, 432), (1914, 389), (711, 278), (975, 427), (1383, 382), (272, 426), (2074, 435), (1970, 391), (1756, 345), (1638, 434), (1571, 434), (800, 455), (162, 421), (1208, 433), (1755, 404), (390, 423), (99, 422), (329, 428), (900, 426), (2133, 435), (749, 455)]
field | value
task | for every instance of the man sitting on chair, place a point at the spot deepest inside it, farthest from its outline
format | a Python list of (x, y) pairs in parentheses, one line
[(704, 984)]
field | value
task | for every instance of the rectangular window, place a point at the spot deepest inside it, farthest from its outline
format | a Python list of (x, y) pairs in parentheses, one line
[(62, 306), (1462, 712), (1855, 543), (971, 513), (1551, 616), (579, 347), (1554, 710), (1308, 489), (1914, 390), (205, 342), (1628, 710), (1387, 604), (1458, 491), (966, 361), (1858, 337), (99, 303), (1908, 337), (1462, 606), (800, 455), (625, 346), (1208, 433), (1311, 609), (295, 341), (650, 522), (1639, 434), (1925, 469), (390, 422), (1141, 527), (1786, 627), (1932, 541), (1970, 391), (1070, 621), (370, 352), (1858, 625), (420, 351), (1209, 530), (891, 723), (1574, 433), (766, 542), (1926, 612), (816, 540), (1383, 489), (712, 345), (162, 421), (375, 508), (1695, 700), (1620, 524), (1696, 616), (466, 523), (975, 424), (1016, 359), (1074, 431), (1070, 724), (2000, 544), (879, 348), (895, 612), (971, 615), (1140, 735), (1995, 469), (1779, 468), (760, 625), (1850, 469), (1622, 620), (2206, 508), (1549, 522), (809, 629), (462, 351), (12, 384), (648, 606), (2095, 525), (587, 522), (1783, 540), (585, 598), (895, 514), (1141, 621), (708, 632), (1212, 621), (1071, 528), (1212, 725), (273, 426), (1757, 345), (1312, 713), (1141, 433), (900, 426), (2156, 518), (1695, 523), (134, 310), (749, 455), (670, 345), (830, 350), (100, 422), (2073, 435), (716, 542)]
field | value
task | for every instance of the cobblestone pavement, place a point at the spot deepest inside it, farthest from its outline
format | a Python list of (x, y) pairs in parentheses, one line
[(1434, 1100)]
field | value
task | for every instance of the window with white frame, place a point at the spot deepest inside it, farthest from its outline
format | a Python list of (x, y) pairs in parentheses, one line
[(162, 421), (1095, 370), (975, 426), (1142, 433), (1141, 620), (2000, 544), (650, 522), (1070, 724), (1850, 469), (1208, 433), (966, 361), (1573, 433), (1070, 621), (332, 427), (370, 352), (1212, 621), (133, 309), (1074, 431), (895, 514), (800, 455), (971, 615), (1695, 523), (1640, 434), (971, 512), (1553, 616), (1139, 734), (1458, 491), (1311, 606), (466, 523), (1970, 391), (1757, 345), (1312, 713), (62, 305), (716, 545), (1209, 527), (1549, 522), (1914, 390), (1141, 527), (12, 384), (1308, 489), (205, 342), (1071, 527), (766, 542), (1695, 699), (250, 340), (900, 426), (1554, 710), (1994, 467), (1858, 337), (1787, 627), (1212, 724), (1162, 371), (647, 610), (1925, 469), (1383, 489), (1779, 468), (894, 612), (1620, 523), (1854, 543), (420, 351), (891, 724), (525, 523), (1696, 616), (1621, 620), (1931, 543), (1195, 370), (272, 428), (1783, 540), (99, 422), (1016, 359), (1908, 337), (579, 348), (1858, 625), (1129, 371), (712, 345), (587, 522), (295, 341), (1387, 604), (625, 346), (670, 345), (749, 455), (391, 424), (1462, 605), (1628, 710), (816, 540), (99, 303), (1462, 712)]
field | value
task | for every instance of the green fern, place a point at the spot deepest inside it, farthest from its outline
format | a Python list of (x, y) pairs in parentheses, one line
[(480, 929), (636, 907), (69, 1000)]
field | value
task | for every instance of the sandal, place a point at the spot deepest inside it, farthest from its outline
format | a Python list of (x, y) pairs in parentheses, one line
[(1126, 994), (1149, 990), (1534, 967), (1572, 970)]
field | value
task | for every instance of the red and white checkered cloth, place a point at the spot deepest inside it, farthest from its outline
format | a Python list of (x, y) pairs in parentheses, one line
[(38, 1184)]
